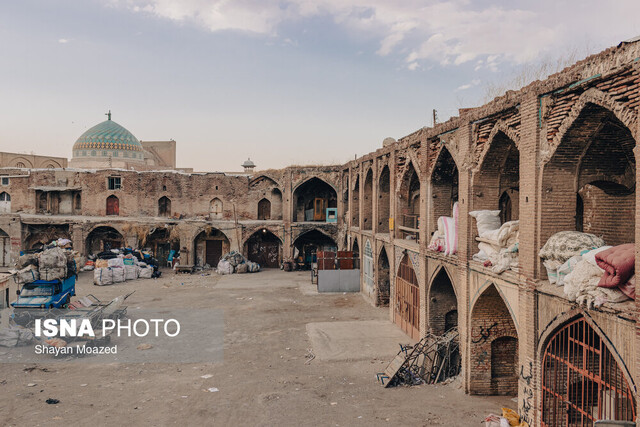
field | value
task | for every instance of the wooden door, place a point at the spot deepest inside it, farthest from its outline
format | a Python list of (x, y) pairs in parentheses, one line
[(264, 209), (264, 253), (113, 205), (407, 300), (319, 208), (213, 252)]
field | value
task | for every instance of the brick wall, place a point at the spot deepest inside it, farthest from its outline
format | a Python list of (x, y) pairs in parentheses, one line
[(367, 202), (384, 200), (493, 366)]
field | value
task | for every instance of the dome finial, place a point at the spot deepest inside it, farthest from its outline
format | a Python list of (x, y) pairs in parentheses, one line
[(108, 115)]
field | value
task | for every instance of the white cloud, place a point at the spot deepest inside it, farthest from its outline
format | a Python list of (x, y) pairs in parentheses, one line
[(472, 83), (63, 41), (449, 32)]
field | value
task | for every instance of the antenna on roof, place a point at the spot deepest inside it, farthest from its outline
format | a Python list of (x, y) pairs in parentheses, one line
[(108, 115)]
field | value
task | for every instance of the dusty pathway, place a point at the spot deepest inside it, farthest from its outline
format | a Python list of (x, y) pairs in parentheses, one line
[(272, 320)]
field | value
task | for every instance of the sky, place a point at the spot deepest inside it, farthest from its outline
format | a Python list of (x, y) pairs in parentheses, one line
[(281, 81)]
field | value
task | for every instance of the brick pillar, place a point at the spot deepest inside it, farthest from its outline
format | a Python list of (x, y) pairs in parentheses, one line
[(463, 137), (392, 214), (78, 240), (528, 363), (287, 216), (423, 274)]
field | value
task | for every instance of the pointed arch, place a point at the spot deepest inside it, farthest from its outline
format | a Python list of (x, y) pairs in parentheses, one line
[(585, 392), (408, 201), (407, 299), (384, 200), (216, 209), (594, 158), (383, 279), (264, 209), (311, 199), (444, 187), (113, 205), (493, 346), (442, 303), (367, 203), (164, 206)]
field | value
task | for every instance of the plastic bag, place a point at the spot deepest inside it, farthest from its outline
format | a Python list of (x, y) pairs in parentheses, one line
[(225, 267)]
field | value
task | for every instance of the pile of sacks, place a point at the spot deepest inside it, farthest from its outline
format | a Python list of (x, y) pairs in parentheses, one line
[(53, 263), (119, 269), (592, 274), (234, 262), (497, 243)]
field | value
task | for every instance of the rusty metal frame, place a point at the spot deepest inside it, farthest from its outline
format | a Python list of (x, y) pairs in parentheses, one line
[(581, 380)]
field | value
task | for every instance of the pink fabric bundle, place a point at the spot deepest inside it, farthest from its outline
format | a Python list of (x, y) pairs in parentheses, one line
[(618, 264)]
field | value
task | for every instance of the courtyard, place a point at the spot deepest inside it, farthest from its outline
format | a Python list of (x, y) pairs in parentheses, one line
[(291, 357)]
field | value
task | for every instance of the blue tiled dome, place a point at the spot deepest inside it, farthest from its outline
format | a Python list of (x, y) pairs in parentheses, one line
[(108, 135)]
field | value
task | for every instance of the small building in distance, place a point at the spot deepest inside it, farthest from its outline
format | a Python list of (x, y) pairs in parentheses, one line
[(31, 161)]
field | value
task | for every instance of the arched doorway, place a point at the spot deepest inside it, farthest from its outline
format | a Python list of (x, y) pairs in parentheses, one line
[(409, 205), (308, 244), (581, 380), (5, 202), (443, 304), (384, 285), (384, 197), (355, 248), (311, 200), (494, 346), (594, 159), (355, 203), (498, 179), (102, 239), (264, 209), (444, 187), (161, 242), (164, 206), (113, 205), (215, 209), (367, 205), (209, 246), (264, 247), (407, 299)]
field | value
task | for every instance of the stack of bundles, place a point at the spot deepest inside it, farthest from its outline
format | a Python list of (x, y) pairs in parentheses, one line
[(131, 272), (145, 272), (497, 243), (229, 262), (53, 264), (445, 239), (103, 276), (27, 275), (562, 246), (592, 274)]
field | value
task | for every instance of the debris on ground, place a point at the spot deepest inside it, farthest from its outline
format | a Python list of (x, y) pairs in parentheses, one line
[(52, 401), (433, 359)]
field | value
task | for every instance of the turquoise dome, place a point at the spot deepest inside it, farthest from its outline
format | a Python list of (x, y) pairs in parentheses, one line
[(108, 135)]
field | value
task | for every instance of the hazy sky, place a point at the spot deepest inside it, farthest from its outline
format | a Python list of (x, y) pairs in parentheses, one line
[(282, 81)]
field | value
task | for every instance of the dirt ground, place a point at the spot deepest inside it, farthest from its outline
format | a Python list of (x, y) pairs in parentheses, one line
[(272, 321)]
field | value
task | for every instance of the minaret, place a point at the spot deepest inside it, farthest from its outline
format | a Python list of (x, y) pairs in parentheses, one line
[(248, 166)]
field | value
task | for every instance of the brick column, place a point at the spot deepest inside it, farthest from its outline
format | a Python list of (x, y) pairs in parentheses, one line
[(465, 142), (529, 380)]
